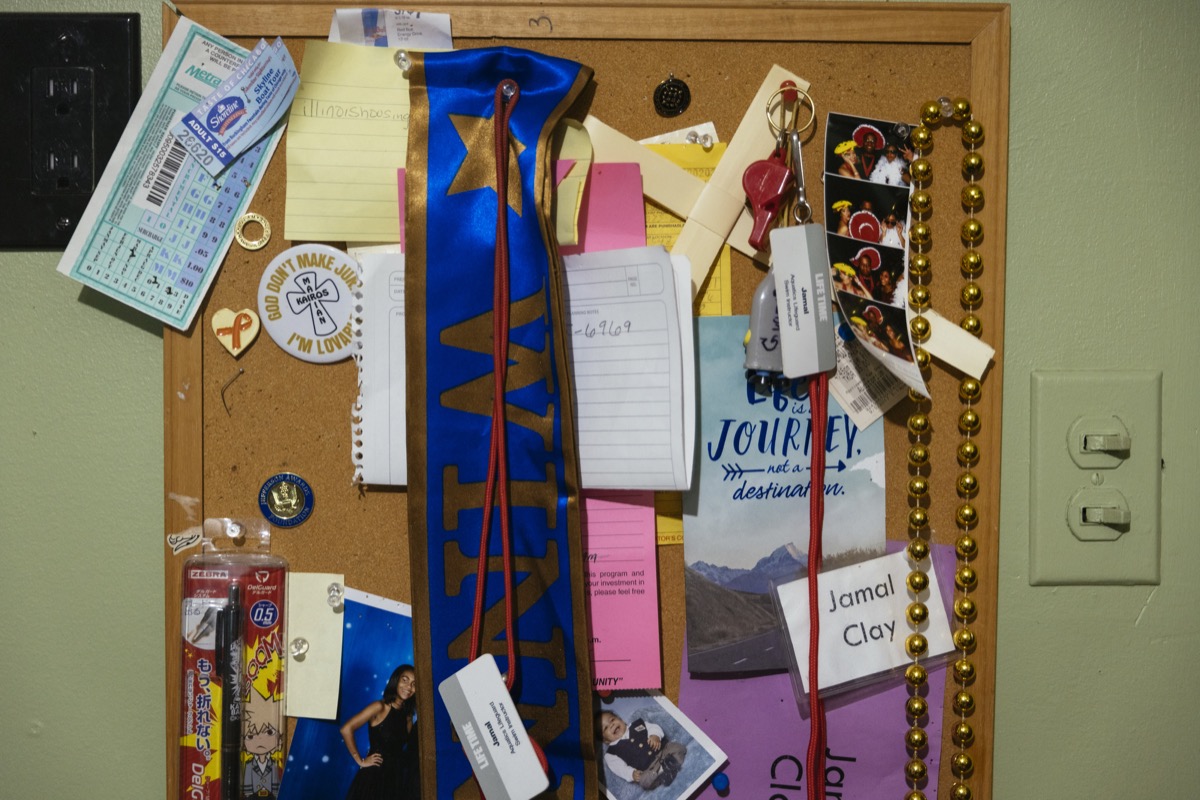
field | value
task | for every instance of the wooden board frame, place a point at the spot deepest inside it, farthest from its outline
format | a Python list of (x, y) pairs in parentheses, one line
[(978, 35)]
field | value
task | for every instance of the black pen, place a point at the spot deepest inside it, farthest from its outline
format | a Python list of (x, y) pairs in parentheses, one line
[(229, 654)]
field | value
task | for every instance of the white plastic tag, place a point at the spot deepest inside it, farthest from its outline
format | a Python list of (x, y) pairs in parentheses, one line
[(492, 734), (802, 290), (863, 622)]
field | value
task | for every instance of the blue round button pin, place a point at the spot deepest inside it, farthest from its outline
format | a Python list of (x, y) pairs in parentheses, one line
[(286, 500)]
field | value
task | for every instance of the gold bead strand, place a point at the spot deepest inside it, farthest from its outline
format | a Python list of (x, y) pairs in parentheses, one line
[(969, 422), (971, 295), (920, 238), (934, 114), (915, 644), (965, 580)]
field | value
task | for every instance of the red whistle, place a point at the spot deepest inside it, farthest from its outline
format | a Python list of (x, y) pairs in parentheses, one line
[(766, 184)]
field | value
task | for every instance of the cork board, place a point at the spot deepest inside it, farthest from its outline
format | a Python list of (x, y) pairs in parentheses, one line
[(280, 414)]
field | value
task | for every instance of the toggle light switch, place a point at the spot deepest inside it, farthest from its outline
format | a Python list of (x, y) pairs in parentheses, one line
[(1098, 515), (1098, 442), (1095, 477)]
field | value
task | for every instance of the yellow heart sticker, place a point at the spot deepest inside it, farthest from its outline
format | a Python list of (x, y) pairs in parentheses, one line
[(235, 330)]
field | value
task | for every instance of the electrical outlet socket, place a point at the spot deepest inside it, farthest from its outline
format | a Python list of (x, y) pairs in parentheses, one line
[(68, 85), (63, 120)]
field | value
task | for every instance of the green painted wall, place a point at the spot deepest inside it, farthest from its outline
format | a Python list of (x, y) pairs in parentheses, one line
[(1096, 690)]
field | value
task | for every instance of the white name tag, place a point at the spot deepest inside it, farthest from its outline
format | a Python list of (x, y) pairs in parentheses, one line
[(863, 623), (491, 732), (802, 288)]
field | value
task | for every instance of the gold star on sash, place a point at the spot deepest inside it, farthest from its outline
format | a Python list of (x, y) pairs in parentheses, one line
[(478, 169)]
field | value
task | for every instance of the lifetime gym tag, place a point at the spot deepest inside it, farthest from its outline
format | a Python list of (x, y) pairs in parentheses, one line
[(491, 732), (801, 269)]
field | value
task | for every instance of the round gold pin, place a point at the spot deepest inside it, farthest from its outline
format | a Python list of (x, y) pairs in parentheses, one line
[(239, 231)]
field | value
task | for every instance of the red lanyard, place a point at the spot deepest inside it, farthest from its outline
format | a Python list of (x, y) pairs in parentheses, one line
[(818, 393), (507, 93)]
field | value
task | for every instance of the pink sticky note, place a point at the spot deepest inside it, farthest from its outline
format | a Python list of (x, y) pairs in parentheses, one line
[(612, 215), (561, 168), (622, 583)]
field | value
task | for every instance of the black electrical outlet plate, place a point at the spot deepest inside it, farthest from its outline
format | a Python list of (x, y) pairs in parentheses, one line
[(68, 85)]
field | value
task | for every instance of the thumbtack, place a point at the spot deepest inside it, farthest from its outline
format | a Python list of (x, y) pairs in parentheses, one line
[(298, 647), (336, 593)]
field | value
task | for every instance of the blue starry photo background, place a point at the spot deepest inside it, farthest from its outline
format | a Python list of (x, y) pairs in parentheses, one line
[(377, 638)]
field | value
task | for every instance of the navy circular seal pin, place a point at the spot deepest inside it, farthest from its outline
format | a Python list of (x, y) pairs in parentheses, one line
[(285, 500)]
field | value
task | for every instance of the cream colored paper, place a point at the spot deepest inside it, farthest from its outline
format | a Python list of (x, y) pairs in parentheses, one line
[(571, 143), (663, 182), (669, 186), (347, 135), (951, 344), (314, 676), (663, 227), (715, 213)]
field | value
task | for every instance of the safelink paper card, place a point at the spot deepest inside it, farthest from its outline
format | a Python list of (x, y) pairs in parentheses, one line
[(745, 519), (377, 640)]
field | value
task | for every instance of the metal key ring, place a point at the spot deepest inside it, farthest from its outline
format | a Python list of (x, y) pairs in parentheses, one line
[(252, 244), (784, 127)]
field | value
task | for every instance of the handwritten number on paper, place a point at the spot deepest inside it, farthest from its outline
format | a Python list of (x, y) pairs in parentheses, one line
[(608, 328), (537, 22)]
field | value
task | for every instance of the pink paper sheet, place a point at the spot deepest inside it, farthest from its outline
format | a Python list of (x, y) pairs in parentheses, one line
[(622, 584), (618, 527), (612, 215)]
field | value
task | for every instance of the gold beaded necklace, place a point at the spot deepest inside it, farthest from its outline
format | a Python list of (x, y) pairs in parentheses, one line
[(934, 114)]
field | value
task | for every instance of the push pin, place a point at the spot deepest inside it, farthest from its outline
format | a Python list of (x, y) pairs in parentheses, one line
[(234, 530), (298, 647), (403, 61), (705, 140), (336, 594)]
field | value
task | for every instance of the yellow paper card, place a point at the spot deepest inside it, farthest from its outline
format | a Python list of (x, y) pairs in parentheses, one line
[(715, 298), (662, 227), (347, 136)]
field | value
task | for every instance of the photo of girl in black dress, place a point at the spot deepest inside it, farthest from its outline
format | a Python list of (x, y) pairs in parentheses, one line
[(389, 770)]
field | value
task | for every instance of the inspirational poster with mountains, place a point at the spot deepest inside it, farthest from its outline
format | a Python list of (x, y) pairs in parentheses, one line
[(745, 519)]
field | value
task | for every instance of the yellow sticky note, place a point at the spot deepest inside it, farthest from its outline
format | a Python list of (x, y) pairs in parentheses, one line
[(347, 136), (662, 227), (668, 517)]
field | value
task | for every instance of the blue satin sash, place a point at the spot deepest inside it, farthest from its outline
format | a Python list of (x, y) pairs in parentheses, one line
[(451, 233)]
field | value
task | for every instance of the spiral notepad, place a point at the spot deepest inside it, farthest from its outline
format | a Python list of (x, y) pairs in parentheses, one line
[(378, 416)]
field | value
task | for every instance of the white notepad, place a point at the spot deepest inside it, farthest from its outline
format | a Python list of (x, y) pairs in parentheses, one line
[(378, 418), (627, 360)]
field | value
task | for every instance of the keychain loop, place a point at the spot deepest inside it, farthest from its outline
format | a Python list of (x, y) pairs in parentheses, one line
[(801, 209), (785, 126)]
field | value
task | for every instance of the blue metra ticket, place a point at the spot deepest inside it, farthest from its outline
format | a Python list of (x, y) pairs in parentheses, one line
[(242, 110)]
